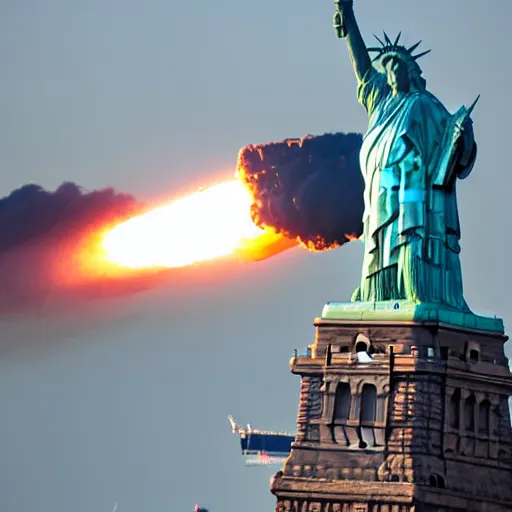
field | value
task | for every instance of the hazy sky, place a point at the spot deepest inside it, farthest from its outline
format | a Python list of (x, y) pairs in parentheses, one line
[(155, 98)]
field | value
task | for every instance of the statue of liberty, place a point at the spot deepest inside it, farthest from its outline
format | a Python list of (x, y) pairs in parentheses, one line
[(412, 155)]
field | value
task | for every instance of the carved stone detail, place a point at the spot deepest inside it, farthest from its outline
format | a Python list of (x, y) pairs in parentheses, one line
[(310, 407), (422, 453), (315, 398)]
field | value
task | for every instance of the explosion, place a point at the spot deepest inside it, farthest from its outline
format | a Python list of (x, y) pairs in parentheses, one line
[(208, 224), (305, 191)]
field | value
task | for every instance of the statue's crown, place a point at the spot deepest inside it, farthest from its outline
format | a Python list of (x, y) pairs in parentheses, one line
[(388, 48)]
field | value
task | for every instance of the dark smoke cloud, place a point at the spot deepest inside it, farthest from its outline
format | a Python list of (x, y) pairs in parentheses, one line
[(42, 231), (309, 189), (31, 211)]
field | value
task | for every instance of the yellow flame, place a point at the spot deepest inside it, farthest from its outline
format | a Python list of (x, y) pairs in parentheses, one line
[(205, 225)]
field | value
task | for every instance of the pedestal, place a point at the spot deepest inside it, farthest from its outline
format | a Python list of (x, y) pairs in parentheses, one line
[(401, 412)]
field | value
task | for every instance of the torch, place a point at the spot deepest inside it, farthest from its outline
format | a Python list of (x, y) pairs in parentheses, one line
[(338, 21)]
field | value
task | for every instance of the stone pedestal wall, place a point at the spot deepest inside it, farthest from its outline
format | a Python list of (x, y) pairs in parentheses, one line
[(438, 436)]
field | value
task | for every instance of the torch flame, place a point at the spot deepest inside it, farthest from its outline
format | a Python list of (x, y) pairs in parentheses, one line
[(208, 224)]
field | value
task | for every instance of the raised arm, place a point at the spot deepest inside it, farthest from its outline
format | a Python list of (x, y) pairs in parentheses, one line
[(349, 29)]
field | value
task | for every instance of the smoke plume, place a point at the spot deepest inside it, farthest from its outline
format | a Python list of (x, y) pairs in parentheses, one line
[(41, 234), (30, 211), (309, 189)]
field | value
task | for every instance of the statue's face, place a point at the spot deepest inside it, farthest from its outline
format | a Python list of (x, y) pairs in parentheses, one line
[(398, 74)]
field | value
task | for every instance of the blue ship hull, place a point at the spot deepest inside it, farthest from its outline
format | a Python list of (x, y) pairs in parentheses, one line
[(261, 448)]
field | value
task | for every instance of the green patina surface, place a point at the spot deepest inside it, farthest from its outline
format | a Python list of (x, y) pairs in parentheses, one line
[(405, 311), (413, 154)]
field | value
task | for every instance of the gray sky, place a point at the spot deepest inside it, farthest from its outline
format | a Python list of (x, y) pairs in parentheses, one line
[(129, 404)]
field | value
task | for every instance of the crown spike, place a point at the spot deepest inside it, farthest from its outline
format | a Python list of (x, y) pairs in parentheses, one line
[(388, 41), (374, 49), (470, 108), (413, 47), (382, 44), (397, 38), (416, 57)]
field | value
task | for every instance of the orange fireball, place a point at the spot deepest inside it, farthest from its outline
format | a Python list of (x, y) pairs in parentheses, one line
[(208, 224)]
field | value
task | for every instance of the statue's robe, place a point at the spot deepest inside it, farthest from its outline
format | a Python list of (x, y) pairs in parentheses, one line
[(411, 224)]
